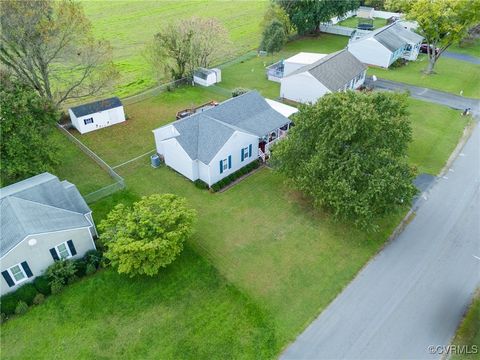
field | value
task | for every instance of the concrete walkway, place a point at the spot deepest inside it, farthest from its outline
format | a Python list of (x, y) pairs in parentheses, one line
[(425, 94), (462, 57)]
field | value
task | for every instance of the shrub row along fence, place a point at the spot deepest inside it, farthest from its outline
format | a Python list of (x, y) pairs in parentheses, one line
[(107, 190)]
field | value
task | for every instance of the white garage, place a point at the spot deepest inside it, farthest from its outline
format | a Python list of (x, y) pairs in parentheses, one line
[(97, 115)]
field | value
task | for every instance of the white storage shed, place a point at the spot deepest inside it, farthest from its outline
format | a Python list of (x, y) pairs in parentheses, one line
[(97, 115), (207, 77)]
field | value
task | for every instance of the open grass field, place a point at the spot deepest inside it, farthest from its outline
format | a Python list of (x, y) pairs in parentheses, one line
[(352, 22), (187, 312), (451, 76), (469, 331), (130, 25)]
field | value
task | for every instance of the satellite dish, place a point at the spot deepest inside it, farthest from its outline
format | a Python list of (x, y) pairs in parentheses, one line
[(32, 242)]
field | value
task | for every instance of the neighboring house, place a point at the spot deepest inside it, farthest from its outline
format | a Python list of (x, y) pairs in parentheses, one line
[(384, 46), (96, 115), (207, 77), (217, 142), (43, 220), (280, 69), (338, 71)]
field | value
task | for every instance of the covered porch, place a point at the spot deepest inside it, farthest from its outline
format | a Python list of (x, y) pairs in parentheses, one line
[(267, 141)]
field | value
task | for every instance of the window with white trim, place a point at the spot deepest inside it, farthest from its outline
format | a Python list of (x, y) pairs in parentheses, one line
[(225, 164), (17, 273), (63, 251), (88, 121)]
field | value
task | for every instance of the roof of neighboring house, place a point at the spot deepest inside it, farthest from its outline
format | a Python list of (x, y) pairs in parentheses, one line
[(202, 135), (37, 205), (94, 107), (203, 73), (285, 110), (305, 58), (393, 36), (335, 70)]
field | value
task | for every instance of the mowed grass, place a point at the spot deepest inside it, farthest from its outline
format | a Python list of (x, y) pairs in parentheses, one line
[(472, 48), (436, 131), (352, 22), (450, 75), (130, 25), (188, 311), (468, 333)]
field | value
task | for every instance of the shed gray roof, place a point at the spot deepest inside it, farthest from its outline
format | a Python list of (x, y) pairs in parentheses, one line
[(37, 205), (96, 106), (202, 73), (393, 36), (202, 135), (335, 70)]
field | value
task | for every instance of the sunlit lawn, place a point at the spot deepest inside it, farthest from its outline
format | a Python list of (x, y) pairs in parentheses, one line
[(353, 22)]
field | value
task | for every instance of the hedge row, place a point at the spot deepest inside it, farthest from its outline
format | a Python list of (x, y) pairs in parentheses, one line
[(234, 176), (13, 302)]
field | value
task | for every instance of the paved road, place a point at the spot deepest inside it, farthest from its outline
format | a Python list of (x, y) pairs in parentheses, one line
[(435, 96), (413, 294), (462, 57)]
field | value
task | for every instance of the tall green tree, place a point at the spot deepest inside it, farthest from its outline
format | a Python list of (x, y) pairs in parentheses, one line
[(441, 22), (49, 45), (307, 15), (26, 125), (276, 12), (150, 235), (348, 153), (273, 37)]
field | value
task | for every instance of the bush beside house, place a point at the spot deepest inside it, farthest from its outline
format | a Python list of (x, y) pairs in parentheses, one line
[(234, 176)]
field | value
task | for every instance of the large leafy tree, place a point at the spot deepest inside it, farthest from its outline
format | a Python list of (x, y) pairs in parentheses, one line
[(49, 46), (348, 153), (273, 37), (26, 124), (441, 22), (150, 235), (276, 12), (184, 45), (307, 15)]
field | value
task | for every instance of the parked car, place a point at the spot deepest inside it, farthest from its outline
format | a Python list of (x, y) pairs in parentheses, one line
[(424, 49)]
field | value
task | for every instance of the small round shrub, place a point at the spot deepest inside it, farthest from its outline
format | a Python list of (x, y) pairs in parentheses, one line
[(8, 303), (72, 279), (38, 299), (42, 284), (56, 286), (93, 257), (26, 293), (91, 269), (21, 308), (3, 318), (239, 91), (81, 267), (61, 271)]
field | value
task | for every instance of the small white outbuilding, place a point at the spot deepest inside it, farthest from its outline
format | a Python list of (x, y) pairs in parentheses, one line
[(207, 77), (97, 115)]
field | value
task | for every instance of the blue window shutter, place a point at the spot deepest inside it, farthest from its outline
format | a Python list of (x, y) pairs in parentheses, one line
[(229, 161), (8, 278), (73, 251), (26, 268), (242, 155), (250, 150), (221, 166), (54, 254)]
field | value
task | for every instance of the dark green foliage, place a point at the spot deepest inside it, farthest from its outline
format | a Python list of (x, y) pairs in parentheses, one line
[(349, 153), (8, 303), (400, 62), (234, 176), (56, 286), (93, 257), (81, 267), (60, 272), (26, 124), (38, 299), (274, 37), (239, 91), (42, 284), (307, 15), (201, 184), (26, 293), (21, 308), (3, 317), (91, 269)]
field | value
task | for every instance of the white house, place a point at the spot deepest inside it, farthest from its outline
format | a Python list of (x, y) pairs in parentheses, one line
[(96, 115), (217, 142), (207, 77), (277, 71), (43, 220), (384, 46), (338, 71)]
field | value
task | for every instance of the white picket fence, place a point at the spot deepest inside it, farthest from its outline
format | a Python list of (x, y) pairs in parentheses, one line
[(386, 14), (342, 30)]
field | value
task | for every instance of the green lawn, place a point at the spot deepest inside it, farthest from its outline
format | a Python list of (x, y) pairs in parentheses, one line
[(353, 22), (129, 25), (451, 76), (472, 49), (187, 312), (469, 331), (436, 131)]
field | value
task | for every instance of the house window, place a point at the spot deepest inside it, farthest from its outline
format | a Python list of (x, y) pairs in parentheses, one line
[(18, 274), (245, 152), (224, 164), (63, 251), (88, 121)]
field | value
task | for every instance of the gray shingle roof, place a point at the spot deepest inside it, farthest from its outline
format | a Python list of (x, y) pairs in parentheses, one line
[(394, 36), (202, 73), (37, 205), (94, 107), (202, 135), (335, 70)]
